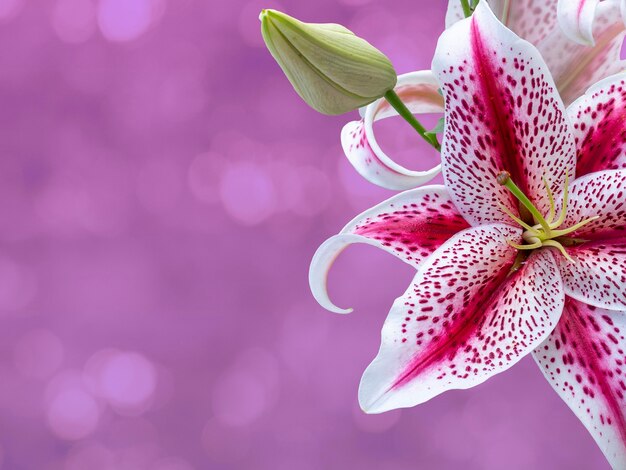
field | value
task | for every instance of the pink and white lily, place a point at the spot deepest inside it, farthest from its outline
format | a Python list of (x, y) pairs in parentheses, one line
[(524, 248), (551, 25), (580, 40)]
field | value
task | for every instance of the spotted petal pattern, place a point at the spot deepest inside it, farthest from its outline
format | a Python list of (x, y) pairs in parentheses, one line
[(584, 360), (598, 274), (576, 19), (529, 19), (464, 319), (419, 91), (601, 194), (576, 67), (600, 127), (502, 113), (410, 226)]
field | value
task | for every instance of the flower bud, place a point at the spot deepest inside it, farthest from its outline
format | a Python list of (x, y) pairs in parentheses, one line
[(333, 70)]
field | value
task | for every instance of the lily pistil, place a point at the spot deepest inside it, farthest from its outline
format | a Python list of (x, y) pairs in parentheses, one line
[(546, 231)]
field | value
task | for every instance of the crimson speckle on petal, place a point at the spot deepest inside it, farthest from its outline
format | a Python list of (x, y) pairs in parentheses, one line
[(469, 319), (584, 360), (503, 112), (599, 126)]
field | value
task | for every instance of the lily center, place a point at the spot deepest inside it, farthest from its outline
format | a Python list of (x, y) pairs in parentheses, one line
[(546, 231)]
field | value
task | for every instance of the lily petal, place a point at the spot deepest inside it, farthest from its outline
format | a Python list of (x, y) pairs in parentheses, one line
[(464, 318), (410, 226), (598, 274), (529, 19), (454, 13), (583, 359), (601, 194), (503, 112), (575, 67), (599, 126), (576, 19), (419, 91)]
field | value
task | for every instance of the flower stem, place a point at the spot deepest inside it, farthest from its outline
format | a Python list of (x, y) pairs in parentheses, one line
[(394, 100), (467, 11)]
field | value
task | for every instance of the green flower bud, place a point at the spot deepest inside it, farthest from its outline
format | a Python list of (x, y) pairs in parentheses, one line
[(333, 70)]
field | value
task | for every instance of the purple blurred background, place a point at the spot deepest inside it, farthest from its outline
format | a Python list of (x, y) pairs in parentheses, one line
[(162, 190)]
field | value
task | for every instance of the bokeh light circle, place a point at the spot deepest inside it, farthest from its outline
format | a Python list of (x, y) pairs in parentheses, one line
[(72, 413), (126, 380), (125, 20), (247, 192)]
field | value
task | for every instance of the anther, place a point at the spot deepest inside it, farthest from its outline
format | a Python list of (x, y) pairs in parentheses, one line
[(503, 177)]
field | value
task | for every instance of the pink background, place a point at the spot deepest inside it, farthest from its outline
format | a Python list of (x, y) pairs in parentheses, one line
[(162, 190)]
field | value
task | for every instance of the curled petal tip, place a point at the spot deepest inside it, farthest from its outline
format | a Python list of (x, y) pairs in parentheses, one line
[(419, 90), (320, 265)]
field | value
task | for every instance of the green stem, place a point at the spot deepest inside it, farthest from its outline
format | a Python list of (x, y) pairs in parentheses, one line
[(395, 101), (467, 11)]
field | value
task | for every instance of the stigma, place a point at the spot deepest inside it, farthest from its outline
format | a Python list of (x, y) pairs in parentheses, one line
[(548, 230)]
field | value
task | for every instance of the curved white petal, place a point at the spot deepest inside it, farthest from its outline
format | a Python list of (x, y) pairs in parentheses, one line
[(503, 113), (419, 91), (464, 318), (576, 18), (410, 226), (584, 361)]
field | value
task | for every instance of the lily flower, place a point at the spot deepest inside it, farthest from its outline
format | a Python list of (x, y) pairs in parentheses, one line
[(553, 25), (549, 25), (523, 250)]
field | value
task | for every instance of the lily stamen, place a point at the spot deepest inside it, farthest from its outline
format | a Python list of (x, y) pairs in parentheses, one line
[(532, 246), (558, 246), (573, 228), (518, 220), (544, 232), (565, 201), (552, 212)]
